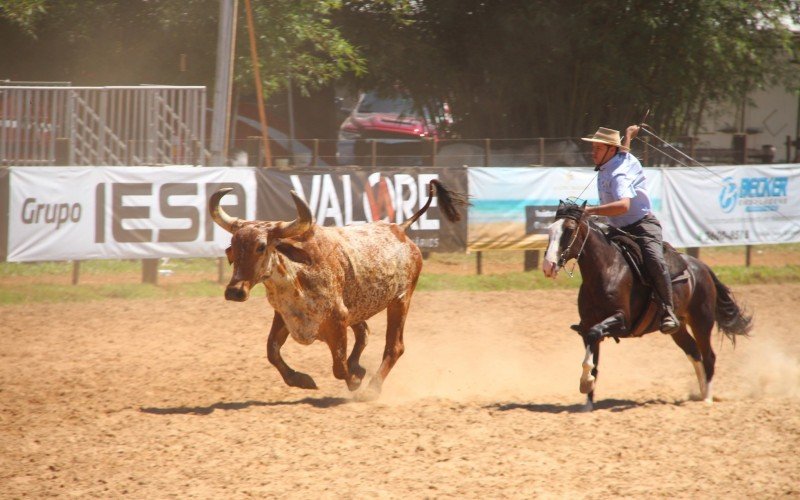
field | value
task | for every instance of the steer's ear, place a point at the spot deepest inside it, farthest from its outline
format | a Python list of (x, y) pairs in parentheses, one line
[(228, 252), (293, 253)]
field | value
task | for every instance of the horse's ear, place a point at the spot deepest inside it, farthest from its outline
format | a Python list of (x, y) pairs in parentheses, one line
[(560, 204), (584, 205)]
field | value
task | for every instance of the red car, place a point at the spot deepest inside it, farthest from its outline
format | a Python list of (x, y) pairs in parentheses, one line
[(400, 128)]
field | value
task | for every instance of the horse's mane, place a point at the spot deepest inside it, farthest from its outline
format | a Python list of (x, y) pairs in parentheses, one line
[(568, 209)]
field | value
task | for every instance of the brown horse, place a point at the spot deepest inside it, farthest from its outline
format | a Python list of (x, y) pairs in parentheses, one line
[(614, 302)]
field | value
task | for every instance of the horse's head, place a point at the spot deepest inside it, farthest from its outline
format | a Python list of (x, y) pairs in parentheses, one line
[(566, 237)]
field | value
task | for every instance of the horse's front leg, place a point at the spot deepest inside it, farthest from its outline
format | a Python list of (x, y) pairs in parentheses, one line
[(613, 325), (589, 375)]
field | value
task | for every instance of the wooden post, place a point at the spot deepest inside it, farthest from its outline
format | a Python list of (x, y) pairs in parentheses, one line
[(76, 271), (150, 271), (748, 253), (531, 260), (61, 152), (788, 148), (740, 149), (487, 152), (694, 252), (479, 262), (220, 270), (541, 151)]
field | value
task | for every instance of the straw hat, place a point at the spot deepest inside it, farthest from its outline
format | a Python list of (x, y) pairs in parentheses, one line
[(605, 136)]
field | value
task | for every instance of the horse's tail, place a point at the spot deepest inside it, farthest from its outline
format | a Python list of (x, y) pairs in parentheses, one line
[(449, 201), (732, 319)]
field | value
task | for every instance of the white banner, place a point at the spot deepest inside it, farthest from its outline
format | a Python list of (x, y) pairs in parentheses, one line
[(81, 213), (738, 205), (512, 207)]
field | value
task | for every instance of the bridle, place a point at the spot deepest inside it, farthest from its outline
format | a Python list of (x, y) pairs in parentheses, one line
[(562, 258)]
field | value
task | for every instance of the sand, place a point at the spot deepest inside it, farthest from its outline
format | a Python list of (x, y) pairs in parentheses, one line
[(176, 399)]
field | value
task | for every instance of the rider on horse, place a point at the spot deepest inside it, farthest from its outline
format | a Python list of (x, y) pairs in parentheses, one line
[(624, 200)]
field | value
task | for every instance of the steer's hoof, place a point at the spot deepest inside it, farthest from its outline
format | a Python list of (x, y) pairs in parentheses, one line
[(301, 380), (359, 371), (354, 383)]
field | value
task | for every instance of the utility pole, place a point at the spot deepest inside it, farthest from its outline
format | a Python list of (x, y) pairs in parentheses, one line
[(221, 118)]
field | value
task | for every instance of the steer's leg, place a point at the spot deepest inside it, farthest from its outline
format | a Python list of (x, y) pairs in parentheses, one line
[(277, 336), (361, 331), (394, 348), (335, 335)]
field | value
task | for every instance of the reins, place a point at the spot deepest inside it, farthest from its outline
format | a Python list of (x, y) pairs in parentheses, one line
[(562, 257)]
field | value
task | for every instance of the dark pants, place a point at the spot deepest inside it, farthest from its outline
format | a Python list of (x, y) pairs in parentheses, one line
[(647, 232)]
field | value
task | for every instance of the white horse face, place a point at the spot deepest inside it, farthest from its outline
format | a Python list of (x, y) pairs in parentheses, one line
[(563, 234), (550, 265)]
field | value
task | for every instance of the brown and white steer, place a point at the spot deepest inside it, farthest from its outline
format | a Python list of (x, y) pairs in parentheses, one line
[(320, 280)]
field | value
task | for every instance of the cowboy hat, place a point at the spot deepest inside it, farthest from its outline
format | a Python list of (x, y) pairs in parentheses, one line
[(605, 136)]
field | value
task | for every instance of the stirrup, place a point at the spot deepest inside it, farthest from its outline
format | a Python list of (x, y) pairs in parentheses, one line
[(669, 322)]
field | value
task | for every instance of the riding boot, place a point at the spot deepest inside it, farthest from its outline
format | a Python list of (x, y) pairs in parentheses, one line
[(663, 285)]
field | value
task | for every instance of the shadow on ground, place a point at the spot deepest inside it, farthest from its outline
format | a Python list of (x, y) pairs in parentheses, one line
[(614, 405), (326, 402)]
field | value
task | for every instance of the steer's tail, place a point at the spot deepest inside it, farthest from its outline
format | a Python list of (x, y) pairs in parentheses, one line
[(449, 202)]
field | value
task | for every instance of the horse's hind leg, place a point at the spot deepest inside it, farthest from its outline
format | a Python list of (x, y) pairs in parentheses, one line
[(689, 346), (702, 333)]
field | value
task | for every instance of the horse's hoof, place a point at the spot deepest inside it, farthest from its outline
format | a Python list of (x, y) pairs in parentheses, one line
[(301, 380), (368, 394), (587, 385)]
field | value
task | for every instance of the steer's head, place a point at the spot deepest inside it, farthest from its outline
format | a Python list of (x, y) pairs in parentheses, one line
[(254, 243)]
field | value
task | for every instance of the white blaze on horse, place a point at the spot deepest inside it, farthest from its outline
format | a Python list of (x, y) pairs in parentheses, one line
[(615, 301), (322, 280)]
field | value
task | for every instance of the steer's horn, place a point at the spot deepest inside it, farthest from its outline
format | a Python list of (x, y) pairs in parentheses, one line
[(224, 220), (301, 224)]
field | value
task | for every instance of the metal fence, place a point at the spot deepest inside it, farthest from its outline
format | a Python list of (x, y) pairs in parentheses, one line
[(137, 125)]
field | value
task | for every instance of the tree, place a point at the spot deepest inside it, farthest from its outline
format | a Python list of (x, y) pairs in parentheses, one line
[(515, 68)]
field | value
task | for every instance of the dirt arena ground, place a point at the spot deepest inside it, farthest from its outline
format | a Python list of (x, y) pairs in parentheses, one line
[(176, 399)]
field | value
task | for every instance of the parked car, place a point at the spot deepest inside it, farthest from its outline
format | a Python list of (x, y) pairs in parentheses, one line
[(400, 128)]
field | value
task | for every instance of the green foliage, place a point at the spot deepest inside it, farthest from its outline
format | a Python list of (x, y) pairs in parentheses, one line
[(561, 68), (515, 68), (23, 283)]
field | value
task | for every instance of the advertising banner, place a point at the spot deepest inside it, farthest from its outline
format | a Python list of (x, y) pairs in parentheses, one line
[(345, 196), (80, 213), (738, 205), (513, 207)]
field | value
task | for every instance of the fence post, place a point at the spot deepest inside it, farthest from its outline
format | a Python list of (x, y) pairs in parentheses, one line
[(220, 270), (150, 271), (61, 152), (693, 252), (748, 251), (531, 260), (541, 151), (479, 262), (76, 271), (740, 149)]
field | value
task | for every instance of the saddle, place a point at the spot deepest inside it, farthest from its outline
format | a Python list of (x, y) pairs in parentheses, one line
[(626, 244)]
